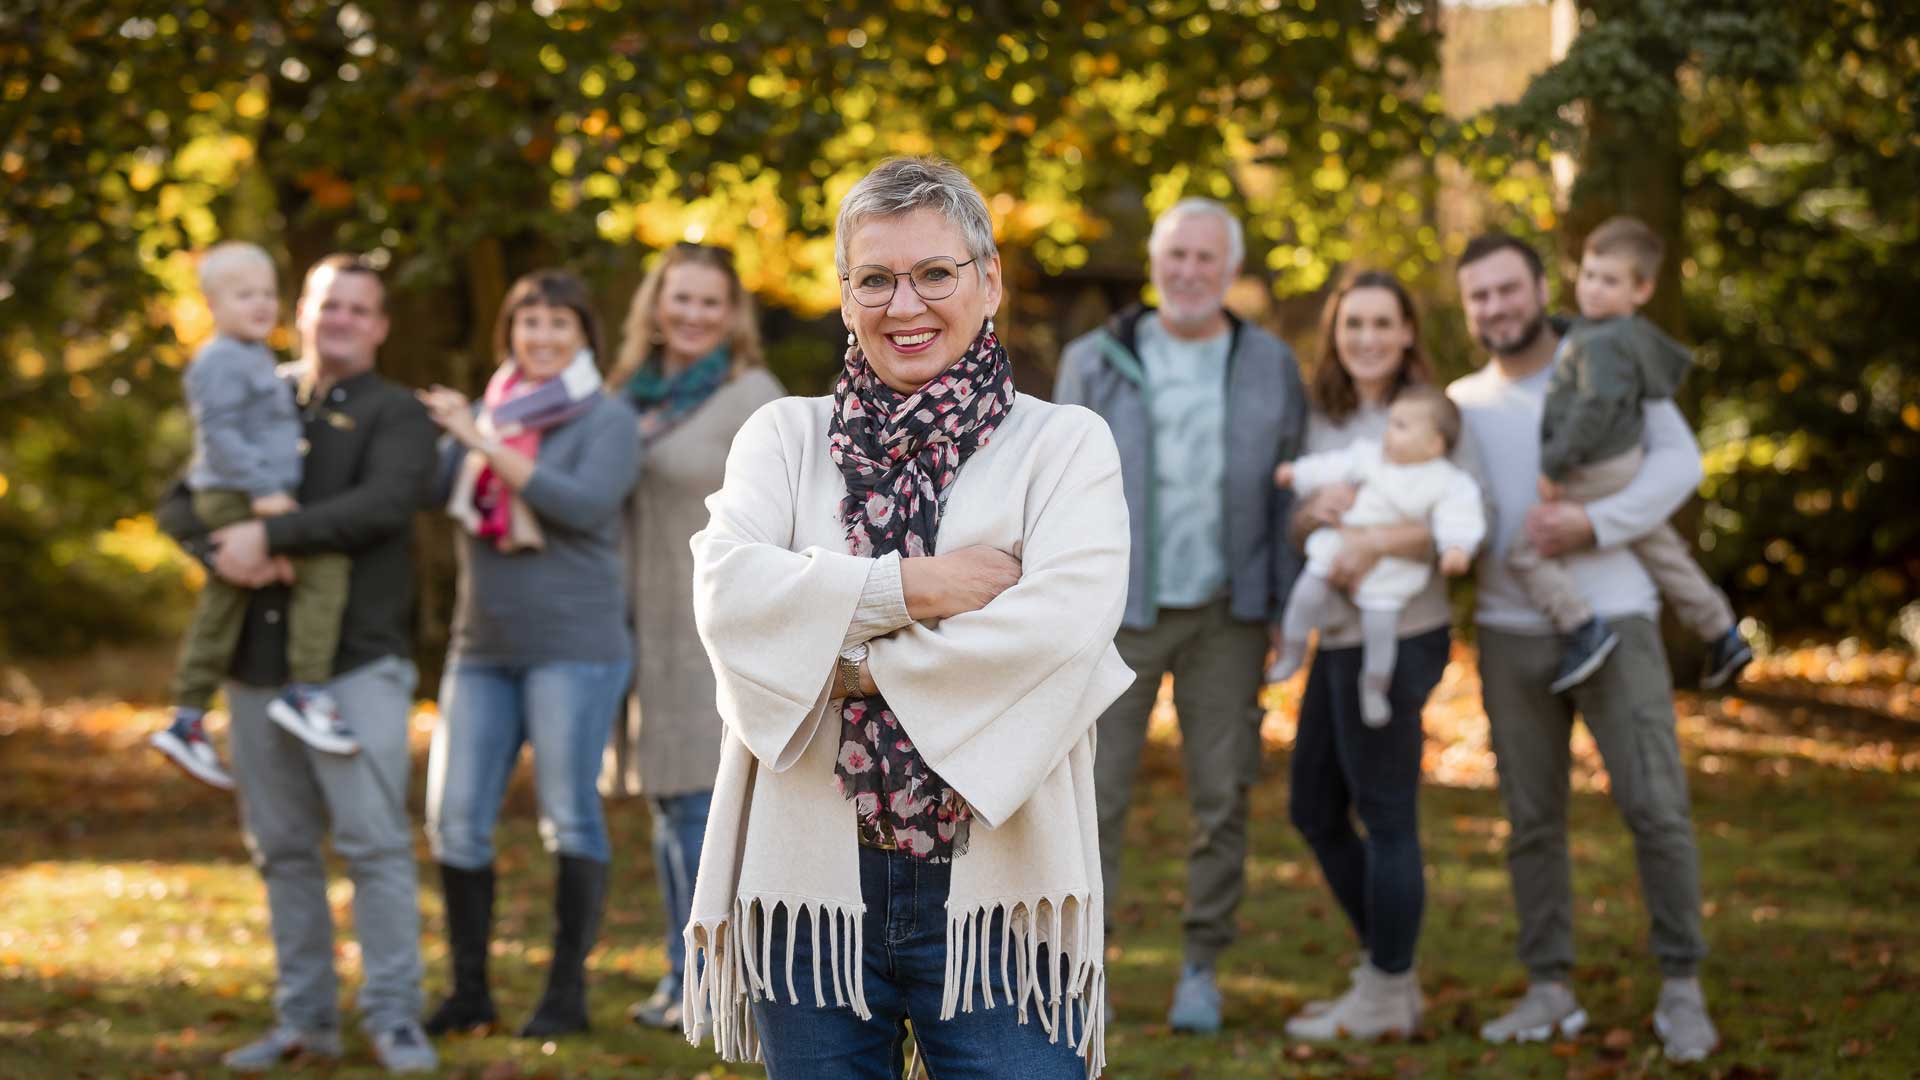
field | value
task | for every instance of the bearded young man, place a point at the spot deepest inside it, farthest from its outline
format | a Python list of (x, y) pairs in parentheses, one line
[(1627, 704)]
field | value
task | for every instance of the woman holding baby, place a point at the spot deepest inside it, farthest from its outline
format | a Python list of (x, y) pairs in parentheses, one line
[(1353, 757)]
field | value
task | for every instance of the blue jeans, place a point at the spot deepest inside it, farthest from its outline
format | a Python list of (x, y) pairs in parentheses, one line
[(487, 711), (1342, 767), (905, 937), (679, 825)]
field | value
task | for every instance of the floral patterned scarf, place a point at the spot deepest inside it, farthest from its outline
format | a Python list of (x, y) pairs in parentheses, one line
[(899, 454)]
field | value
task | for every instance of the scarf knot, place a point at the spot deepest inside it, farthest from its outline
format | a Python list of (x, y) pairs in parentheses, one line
[(518, 412)]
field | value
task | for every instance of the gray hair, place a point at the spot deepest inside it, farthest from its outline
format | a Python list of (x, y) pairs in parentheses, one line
[(224, 258), (1195, 205), (901, 186)]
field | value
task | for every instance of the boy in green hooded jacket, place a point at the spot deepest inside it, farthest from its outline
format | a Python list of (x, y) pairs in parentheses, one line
[(1610, 365)]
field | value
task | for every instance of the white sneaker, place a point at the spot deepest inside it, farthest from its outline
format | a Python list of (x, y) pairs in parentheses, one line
[(404, 1048), (184, 742), (310, 715), (1545, 1009), (279, 1045), (1378, 1004)]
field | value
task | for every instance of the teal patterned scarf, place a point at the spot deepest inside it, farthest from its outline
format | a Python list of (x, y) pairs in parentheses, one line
[(663, 400)]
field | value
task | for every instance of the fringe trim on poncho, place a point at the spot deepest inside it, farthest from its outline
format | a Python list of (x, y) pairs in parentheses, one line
[(724, 979)]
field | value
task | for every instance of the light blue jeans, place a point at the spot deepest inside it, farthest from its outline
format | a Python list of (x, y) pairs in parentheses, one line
[(679, 825), (564, 710)]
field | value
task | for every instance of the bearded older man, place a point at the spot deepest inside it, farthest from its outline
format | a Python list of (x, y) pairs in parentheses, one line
[(1203, 406)]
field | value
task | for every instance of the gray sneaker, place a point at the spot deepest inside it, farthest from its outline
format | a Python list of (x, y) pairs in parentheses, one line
[(404, 1048), (1196, 1002), (1686, 1032), (661, 1010), (279, 1044), (1546, 1008)]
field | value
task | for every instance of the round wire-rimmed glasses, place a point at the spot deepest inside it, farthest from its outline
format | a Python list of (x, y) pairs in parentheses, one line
[(932, 278)]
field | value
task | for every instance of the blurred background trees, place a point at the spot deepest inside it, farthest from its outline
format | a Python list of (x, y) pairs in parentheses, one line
[(464, 144)]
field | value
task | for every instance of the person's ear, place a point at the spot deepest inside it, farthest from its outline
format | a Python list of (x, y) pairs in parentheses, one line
[(993, 285)]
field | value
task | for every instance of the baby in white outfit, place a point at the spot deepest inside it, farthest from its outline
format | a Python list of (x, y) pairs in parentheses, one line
[(1404, 478)]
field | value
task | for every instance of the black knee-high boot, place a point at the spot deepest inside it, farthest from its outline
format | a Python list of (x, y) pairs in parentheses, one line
[(468, 896), (578, 894)]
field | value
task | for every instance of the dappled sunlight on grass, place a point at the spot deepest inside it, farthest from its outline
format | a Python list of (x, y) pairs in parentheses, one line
[(135, 939)]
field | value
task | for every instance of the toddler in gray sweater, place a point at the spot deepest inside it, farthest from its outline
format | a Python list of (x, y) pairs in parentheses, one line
[(247, 442)]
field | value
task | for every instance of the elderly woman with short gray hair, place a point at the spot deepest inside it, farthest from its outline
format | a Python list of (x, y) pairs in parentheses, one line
[(909, 591)]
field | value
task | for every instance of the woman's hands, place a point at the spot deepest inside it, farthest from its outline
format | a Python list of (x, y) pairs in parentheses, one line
[(454, 413), (939, 586), (451, 410)]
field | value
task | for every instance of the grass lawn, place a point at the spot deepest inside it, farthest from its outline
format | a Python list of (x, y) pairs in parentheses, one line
[(134, 940)]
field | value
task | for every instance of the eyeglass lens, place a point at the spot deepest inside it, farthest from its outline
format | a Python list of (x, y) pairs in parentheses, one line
[(933, 279)]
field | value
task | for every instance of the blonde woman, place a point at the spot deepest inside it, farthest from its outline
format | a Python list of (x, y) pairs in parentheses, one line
[(690, 365), (909, 590)]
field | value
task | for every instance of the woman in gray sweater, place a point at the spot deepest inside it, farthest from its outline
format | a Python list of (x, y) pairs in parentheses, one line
[(535, 476), (690, 365)]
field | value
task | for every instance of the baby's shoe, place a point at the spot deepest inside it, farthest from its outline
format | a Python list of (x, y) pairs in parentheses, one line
[(1375, 709)]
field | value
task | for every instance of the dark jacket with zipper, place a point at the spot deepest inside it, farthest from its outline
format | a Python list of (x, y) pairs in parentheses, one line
[(1266, 419), (368, 468)]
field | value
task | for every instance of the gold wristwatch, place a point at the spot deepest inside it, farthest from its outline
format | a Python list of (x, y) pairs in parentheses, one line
[(849, 667)]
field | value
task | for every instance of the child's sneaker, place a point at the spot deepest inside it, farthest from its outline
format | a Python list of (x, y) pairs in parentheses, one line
[(1727, 657), (1587, 649), (310, 715), (185, 743)]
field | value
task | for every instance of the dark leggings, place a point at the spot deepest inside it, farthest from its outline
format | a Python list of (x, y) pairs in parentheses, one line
[(1342, 769)]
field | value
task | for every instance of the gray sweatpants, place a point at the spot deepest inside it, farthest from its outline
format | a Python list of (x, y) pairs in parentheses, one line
[(1628, 706), (1216, 666), (291, 797)]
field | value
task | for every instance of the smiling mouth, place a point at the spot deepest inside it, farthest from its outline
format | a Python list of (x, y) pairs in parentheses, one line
[(912, 340)]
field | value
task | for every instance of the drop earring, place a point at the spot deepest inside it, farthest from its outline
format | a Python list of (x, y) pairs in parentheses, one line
[(989, 324), (849, 337)]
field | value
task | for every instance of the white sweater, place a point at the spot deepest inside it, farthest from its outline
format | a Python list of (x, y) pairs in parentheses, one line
[(1001, 702), (1436, 493)]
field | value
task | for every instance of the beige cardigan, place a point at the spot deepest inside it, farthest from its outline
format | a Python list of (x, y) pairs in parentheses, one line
[(668, 743), (1001, 702)]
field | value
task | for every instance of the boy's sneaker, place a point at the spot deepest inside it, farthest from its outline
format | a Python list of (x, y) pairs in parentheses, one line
[(404, 1048), (1587, 649), (1680, 1019), (1547, 1008), (309, 713), (1726, 658), (278, 1045), (185, 743)]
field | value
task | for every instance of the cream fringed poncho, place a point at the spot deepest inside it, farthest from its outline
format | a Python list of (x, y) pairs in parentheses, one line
[(1001, 702)]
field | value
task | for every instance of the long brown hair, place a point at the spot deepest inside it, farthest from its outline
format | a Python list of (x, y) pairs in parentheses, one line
[(1331, 389), (637, 342), (550, 288)]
